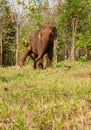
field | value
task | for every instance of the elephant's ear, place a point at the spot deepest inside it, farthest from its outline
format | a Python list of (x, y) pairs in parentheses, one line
[(54, 32)]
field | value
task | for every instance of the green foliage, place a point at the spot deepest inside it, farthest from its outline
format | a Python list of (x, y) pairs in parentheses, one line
[(8, 36), (72, 20), (73, 13), (82, 59)]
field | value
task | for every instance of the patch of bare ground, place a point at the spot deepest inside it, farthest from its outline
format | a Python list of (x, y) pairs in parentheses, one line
[(83, 75)]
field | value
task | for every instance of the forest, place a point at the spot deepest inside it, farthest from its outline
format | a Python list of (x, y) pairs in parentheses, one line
[(56, 97), (18, 19)]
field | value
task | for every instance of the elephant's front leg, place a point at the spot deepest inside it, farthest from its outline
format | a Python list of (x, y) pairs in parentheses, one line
[(40, 63), (27, 52), (35, 63), (49, 57)]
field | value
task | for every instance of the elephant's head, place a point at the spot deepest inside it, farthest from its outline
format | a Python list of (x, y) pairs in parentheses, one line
[(49, 31)]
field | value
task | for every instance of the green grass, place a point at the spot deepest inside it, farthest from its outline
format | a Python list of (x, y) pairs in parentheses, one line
[(56, 98)]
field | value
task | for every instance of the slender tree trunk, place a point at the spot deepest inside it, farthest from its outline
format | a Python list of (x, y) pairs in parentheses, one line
[(1, 51), (87, 53), (17, 31), (72, 48), (65, 52), (77, 53), (73, 40), (55, 55), (1, 47), (74, 28)]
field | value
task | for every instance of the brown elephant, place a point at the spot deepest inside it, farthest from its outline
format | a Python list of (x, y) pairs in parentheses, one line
[(41, 42)]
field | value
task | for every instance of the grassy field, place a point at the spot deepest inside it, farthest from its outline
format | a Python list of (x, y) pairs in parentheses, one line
[(57, 98)]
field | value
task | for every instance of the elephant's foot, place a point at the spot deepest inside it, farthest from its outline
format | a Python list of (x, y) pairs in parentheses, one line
[(20, 64), (40, 66)]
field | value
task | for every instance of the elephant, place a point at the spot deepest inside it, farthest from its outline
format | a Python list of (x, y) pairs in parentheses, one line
[(41, 42)]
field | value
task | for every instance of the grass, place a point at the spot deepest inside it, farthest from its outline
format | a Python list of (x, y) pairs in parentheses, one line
[(56, 98)]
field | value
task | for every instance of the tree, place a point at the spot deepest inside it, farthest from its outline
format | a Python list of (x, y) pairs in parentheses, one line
[(8, 34), (72, 15)]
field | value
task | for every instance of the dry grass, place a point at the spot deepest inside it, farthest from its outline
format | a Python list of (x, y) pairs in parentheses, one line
[(57, 98)]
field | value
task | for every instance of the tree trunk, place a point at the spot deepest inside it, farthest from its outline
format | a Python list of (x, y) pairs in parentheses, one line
[(72, 48), (17, 30), (77, 53), (55, 55), (73, 40), (74, 28), (87, 53), (1, 47)]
